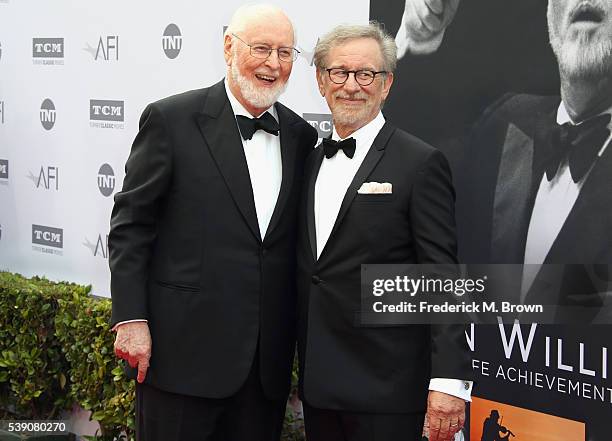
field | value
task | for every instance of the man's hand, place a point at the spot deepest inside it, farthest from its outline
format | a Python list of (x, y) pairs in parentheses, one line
[(445, 416), (423, 25), (133, 344)]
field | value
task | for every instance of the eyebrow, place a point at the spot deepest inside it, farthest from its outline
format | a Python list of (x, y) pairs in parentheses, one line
[(262, 43), (344, 67)]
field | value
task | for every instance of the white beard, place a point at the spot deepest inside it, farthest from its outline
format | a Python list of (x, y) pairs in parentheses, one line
[(347, 116), (255, 96), (582, 58)]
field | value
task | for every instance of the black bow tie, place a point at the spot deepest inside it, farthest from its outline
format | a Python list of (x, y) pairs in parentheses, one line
[(578, 143), (248, 126), (331, 147)]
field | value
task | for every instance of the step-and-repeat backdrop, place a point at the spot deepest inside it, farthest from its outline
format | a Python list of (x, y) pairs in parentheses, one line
[(74, 77)]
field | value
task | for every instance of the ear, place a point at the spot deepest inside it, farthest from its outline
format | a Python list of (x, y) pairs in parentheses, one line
[(320, 81), (227, 49), (387, 85)]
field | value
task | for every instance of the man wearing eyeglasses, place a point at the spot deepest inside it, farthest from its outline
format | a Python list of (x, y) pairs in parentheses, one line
[(202, 246), (373, 194)]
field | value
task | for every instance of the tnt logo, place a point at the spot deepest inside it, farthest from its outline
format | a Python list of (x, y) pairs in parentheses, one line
[(47, 236), (48, 178), (172, 41), (100, 248), (107, 49), (4, 169), (320, 121), (106, 110), (47, 114), (106, 180), (48, 47)]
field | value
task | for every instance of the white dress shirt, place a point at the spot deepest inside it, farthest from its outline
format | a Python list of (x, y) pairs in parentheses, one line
[(263, 157), (335, 176), (333, 180), (553, 204)]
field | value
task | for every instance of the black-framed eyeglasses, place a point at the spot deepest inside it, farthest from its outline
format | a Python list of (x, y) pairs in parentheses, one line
[(262, 51), (363, 77)]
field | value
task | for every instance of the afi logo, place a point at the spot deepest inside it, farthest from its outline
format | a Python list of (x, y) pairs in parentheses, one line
[(172, 41), (321, 122), (100, 248), (108, 48), (48, 178)]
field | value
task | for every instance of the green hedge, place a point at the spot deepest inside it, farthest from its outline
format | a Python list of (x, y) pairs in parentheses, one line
[(56, 349)]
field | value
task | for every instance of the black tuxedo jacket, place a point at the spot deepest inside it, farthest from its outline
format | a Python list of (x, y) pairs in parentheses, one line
[(497, 190), (346, 366), (186, 252)]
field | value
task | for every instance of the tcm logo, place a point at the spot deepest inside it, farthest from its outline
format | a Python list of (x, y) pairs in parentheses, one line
[(47, 114), (4, 170), (106, 110), (106, 180), (48, 178), (100, 248), (47, 236), (48, 50), (1, 112), (107, 49), (106, 114), (172, 41), (320, 121)]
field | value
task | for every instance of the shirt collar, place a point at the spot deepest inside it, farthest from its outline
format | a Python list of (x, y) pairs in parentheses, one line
[(563, 116), (364, 136), (239, 109)]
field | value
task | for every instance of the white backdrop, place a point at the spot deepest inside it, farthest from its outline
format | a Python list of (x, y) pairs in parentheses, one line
[(74, 77)]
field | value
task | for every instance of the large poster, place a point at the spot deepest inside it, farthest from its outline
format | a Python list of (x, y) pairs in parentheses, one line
[(489, 97)]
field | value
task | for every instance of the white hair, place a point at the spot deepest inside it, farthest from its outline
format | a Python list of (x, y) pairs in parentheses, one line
[(249, 12)]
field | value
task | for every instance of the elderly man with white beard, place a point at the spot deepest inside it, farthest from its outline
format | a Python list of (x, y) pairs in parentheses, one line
[(538, 187), (202, 246)]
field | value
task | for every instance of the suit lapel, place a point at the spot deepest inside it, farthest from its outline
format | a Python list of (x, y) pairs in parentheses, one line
[(313, 172), (288, 153), (520, 171), (365, 169), (218, 126)]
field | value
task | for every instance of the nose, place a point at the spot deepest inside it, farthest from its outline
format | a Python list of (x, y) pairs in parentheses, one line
[(351, 84), (273, 62)]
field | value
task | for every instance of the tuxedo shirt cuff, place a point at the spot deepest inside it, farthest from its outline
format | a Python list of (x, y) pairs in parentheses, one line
[(114, 329), (451, 386)]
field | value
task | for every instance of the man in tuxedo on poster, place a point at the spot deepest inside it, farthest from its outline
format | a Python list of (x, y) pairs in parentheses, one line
[(372, 194), (202, 246)]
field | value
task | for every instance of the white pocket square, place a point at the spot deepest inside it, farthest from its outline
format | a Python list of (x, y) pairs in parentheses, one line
[(375, 188)]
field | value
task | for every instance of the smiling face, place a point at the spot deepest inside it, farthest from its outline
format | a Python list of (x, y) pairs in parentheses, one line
[(581, 36), (353, 105), (255, 82)]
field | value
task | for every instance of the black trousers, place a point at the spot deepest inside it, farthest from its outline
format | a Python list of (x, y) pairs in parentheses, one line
[(246, 416), (335, 425)]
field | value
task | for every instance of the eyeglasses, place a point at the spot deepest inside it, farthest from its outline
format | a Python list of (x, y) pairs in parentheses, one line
[(286, 54), (363, 77)]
